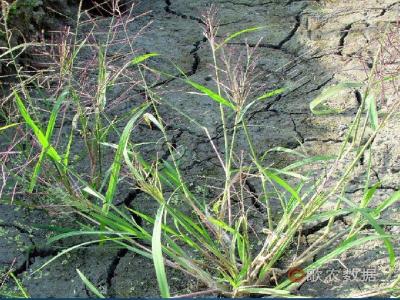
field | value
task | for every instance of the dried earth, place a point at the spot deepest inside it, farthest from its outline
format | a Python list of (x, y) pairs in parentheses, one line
[(306, 46)]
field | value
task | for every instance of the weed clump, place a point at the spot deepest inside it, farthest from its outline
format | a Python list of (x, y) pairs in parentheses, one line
[(209, 239)]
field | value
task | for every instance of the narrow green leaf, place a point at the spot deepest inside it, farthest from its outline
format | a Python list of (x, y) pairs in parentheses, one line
[(9, 126), (369, 194), (116, 166), (245, 109), (53, 116), (90, 285), (133, 249), (49, 133), (102, 78), (285, 150), (169, 172), (214, 96), (237, 33), (317, 105), (383, 235), (156, 250), (68, 150), (242, 242), (94, 193), (65, 251), (372, 111), (19, 285), (143, 57), (289, 173), (221, 224), (37, 131), (272, 93), (283, 184), (375, 225), (308, 161), (19, 46), (386, 203)]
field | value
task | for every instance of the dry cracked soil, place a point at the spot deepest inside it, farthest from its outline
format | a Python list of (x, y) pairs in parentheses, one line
[(304, 45)]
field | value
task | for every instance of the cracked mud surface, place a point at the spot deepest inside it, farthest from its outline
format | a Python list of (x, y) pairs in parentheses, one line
[(304, 45)]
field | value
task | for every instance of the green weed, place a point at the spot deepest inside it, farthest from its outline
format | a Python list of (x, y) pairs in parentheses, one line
[(213, 243)]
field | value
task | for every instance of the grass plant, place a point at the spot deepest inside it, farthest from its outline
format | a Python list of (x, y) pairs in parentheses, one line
[(214, 243)]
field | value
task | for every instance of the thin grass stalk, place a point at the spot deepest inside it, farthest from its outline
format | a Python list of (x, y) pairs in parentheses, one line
[(260, 168), (210, 33)]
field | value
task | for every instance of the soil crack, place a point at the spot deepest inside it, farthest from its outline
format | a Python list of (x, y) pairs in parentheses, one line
[(322, 225), (33, 253), (343, 35), (112, 268), (299, 135), (169, 10)]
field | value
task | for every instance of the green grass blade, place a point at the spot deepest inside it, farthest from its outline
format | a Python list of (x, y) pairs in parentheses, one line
[(158, 259), (192, 230), (65, 251), (372, 111), (49, 133), (317, 106), (102, 78), (289, 173), (308, 161), (237, 33), (94, 193), (118, 225), (369, 194), (37, 131), (245, 109), (133, 249), (169, 175), (116, 166), (214, 96), (221, 224), (89, 285), (36, 171), (284, 150), (69, 234), (54, 113), (366, 214), (242, 242), (346, 245), (19, 285), (68, 150), (284, 185), (23, 45), (386, 203), (164, 227), (143, 57), (272, 93), (381, 232), (8, 126)]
